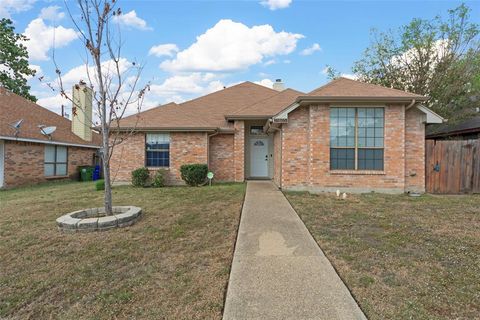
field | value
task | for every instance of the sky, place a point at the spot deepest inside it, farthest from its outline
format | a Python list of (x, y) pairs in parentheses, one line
[(192, 48)]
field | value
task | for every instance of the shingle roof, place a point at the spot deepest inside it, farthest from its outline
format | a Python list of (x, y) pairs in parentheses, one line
[(343, 87), (469, 125), (270, 106), (14, 107), (207, 112), (166, 116), (246, 100)]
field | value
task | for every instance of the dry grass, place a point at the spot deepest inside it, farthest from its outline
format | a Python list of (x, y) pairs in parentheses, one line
[(402, 257), (174, 263)]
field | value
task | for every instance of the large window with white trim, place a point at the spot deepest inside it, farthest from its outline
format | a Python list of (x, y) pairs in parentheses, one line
[(356, 138), (157, 150), (56, 159)]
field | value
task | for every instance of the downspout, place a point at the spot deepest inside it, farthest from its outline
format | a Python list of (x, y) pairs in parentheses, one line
[(411, 104), (208, 146), (405, 162)]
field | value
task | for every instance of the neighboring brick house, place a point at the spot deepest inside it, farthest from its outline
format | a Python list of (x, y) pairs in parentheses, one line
[(345, 135), (28, 155)]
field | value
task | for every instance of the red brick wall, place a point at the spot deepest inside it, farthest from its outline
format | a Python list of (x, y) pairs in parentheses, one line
[(295, 149), (221, 157), (277, 157), (78, 157), (239, 151), (306, 154), (24, 162), (127, 156), (414, 151), (185, 147)]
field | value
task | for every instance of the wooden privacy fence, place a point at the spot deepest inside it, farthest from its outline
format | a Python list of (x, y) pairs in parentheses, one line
[(452, 166)]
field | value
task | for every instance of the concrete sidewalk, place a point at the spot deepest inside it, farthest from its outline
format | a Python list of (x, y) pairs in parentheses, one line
[(278, 270)]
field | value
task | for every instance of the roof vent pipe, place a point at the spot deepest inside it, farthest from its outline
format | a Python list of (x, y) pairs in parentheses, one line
[(278, 85)]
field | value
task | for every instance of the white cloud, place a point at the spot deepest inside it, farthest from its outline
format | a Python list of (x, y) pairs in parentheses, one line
[(168, 49), (131, 20), (286, 61), (270, 62), (38, 69), (231, 46), (276, 4), (310, 50), (176, 87), (8, 7), (82, 72), (10, 73), (436, 52), (326, 70), (266, 83), (42, 38), (87, 74), (51, 13), (349, 76), (54, 103)]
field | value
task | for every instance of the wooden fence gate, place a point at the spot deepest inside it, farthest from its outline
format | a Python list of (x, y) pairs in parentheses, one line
[(452, 166)]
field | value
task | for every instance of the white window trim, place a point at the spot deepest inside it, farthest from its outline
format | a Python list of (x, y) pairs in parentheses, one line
[(166, 136)]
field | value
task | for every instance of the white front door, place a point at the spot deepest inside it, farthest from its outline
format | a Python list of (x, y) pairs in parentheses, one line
[(2, 161), (259, 157)]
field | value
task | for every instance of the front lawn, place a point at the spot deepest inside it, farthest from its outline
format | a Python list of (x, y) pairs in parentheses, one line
[(402, 257), (173, 264)]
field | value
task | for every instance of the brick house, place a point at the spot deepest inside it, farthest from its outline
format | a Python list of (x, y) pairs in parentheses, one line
[(31, 153), (345, 135)]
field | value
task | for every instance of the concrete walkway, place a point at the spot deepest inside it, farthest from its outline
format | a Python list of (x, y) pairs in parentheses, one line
[(278, 270)]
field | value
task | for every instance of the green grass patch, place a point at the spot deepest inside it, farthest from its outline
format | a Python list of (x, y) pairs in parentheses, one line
[(171, 264), (402, 257)]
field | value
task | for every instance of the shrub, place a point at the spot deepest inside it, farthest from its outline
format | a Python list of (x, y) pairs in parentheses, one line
[(140, 177), (159, 179), (194, 174), (100, 185)]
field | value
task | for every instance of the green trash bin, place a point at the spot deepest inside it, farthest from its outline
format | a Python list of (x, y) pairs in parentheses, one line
[(86, 173)]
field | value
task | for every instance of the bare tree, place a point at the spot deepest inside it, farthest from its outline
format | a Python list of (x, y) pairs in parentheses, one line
[(115, 86)]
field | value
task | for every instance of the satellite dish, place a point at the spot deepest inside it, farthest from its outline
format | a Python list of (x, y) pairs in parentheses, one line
[(47, 131), (17, 124)]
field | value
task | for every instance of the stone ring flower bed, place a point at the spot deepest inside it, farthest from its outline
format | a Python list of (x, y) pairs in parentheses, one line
[(94, 219)]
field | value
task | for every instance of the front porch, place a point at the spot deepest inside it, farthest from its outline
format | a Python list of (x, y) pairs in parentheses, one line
[(254, 151)]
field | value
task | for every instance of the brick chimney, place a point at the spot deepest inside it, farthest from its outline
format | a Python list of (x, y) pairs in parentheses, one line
[(82, 111), (278, 85)]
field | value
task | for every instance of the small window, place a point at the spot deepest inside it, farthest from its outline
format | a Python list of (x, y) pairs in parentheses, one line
[(256, 130), (157, 150), (56, 159)]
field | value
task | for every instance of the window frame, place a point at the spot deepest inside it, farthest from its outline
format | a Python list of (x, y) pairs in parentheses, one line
[(356, 147), (157, 150), (55, 163), (256, 127)]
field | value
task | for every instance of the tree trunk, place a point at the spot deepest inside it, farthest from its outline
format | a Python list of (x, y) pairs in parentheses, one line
[(106, 171)]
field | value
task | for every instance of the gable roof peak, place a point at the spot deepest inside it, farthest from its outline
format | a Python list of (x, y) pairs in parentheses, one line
[(345, 87)]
